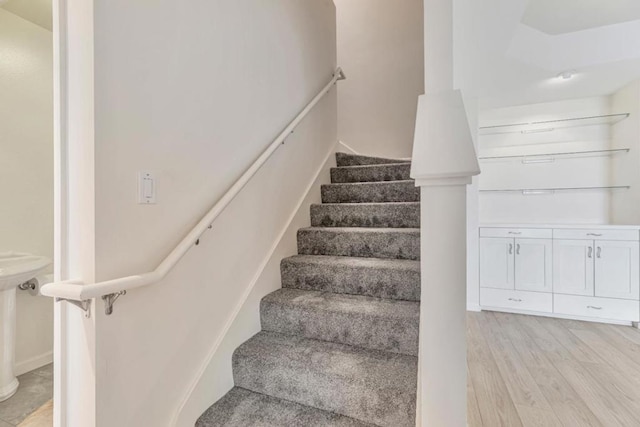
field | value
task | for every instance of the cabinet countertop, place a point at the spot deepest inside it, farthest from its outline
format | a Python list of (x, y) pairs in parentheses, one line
[(562, 226)]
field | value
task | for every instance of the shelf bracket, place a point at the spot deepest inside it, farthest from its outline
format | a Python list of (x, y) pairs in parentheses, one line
[(84, 305), (109, 300)]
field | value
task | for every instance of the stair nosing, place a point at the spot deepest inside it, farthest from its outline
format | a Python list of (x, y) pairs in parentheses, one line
[(402, 181), (368, 203), (285, 401), (407, 230), (358, 298), (343, 259), (348, 348), (372, 166)]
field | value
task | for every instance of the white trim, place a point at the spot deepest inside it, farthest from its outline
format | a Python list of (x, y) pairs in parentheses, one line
[(556, 316), (61, 185), (243, 299), (33, 363), (348, 148)]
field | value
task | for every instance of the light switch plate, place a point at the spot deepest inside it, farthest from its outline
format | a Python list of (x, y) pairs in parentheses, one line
[(146, 188)]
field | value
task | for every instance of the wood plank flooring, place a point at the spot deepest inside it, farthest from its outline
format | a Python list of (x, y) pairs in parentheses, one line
[(536, 371)]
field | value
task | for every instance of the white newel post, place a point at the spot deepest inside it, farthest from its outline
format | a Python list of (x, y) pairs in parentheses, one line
[(444, 160)]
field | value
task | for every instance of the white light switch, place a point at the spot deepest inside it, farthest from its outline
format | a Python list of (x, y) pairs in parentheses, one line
[(146, 188)]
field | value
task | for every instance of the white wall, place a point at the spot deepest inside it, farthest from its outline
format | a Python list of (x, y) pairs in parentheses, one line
[(216, 375), (626, 168), (26, 170), (381, 48), (194, 92), (589, 207)]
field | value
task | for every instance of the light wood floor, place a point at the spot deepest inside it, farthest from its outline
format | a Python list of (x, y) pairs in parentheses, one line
[(536, 371), (43, 417)]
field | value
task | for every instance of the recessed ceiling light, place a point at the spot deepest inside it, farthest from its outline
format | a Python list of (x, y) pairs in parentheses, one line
[(567, 75)]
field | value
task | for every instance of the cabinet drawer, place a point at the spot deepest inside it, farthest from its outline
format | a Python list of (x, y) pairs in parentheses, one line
[(601, 308), (596, 234), (517, 300), (526, 233)]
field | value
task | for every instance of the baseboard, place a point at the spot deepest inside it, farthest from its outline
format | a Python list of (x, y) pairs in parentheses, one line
[(178, 415), (33, 363), (351, 150), (557, 316), (348, 148), (473, 307)]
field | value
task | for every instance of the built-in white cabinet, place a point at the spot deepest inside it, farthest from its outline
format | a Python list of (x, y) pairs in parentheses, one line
[(533, 259), (573, 267), (616, 272), (584, 273), (497, 267), (516, 263)]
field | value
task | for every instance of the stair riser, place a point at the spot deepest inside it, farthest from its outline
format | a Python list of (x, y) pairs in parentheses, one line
[(379, 282), (404, 191), (344, 159), (361, 215), (378, 388), (399, 172), (390, 244), (370, 330)]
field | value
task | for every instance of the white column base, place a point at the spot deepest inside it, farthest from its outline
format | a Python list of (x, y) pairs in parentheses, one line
[(443, 307), (9, 390), (8, 380)]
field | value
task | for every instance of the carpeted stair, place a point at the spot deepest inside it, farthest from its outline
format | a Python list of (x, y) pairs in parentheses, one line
[(339, 341)]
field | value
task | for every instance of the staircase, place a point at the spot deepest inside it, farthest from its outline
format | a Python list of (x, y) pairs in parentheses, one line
[(339, 341)]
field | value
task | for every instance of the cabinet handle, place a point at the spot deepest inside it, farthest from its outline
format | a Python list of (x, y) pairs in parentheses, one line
[(599, 252), (510, 248), (517, 233), (518, 249), (590, 255), (594, 234), (594, 307), (515, 300)]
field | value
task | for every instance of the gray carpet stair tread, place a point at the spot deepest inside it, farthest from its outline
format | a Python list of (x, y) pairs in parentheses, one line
[(345, 159), (244, 408), (382, 215), (371, 173), (371, 386), (374, 277), (371, 192), (398, 243), (339, 341), (373, 323)]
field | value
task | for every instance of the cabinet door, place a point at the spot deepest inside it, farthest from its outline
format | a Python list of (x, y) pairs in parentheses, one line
[(533, 264), (497, 263), (616, 269), (573, 267)]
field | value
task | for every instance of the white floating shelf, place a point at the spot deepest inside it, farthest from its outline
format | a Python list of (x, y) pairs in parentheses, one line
[(548, 191), (551, 125), (550, 157)]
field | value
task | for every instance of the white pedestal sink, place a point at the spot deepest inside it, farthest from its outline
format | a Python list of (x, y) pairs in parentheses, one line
[(15, 268)]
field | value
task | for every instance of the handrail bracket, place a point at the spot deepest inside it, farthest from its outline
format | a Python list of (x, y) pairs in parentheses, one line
[(84, 305), (109, 300)]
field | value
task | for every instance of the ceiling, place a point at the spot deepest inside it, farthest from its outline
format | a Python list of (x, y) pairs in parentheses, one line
[(509, 52), (567, 16), (38, 12)]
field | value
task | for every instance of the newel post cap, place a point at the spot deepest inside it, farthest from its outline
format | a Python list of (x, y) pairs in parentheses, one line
[(443, 151)]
